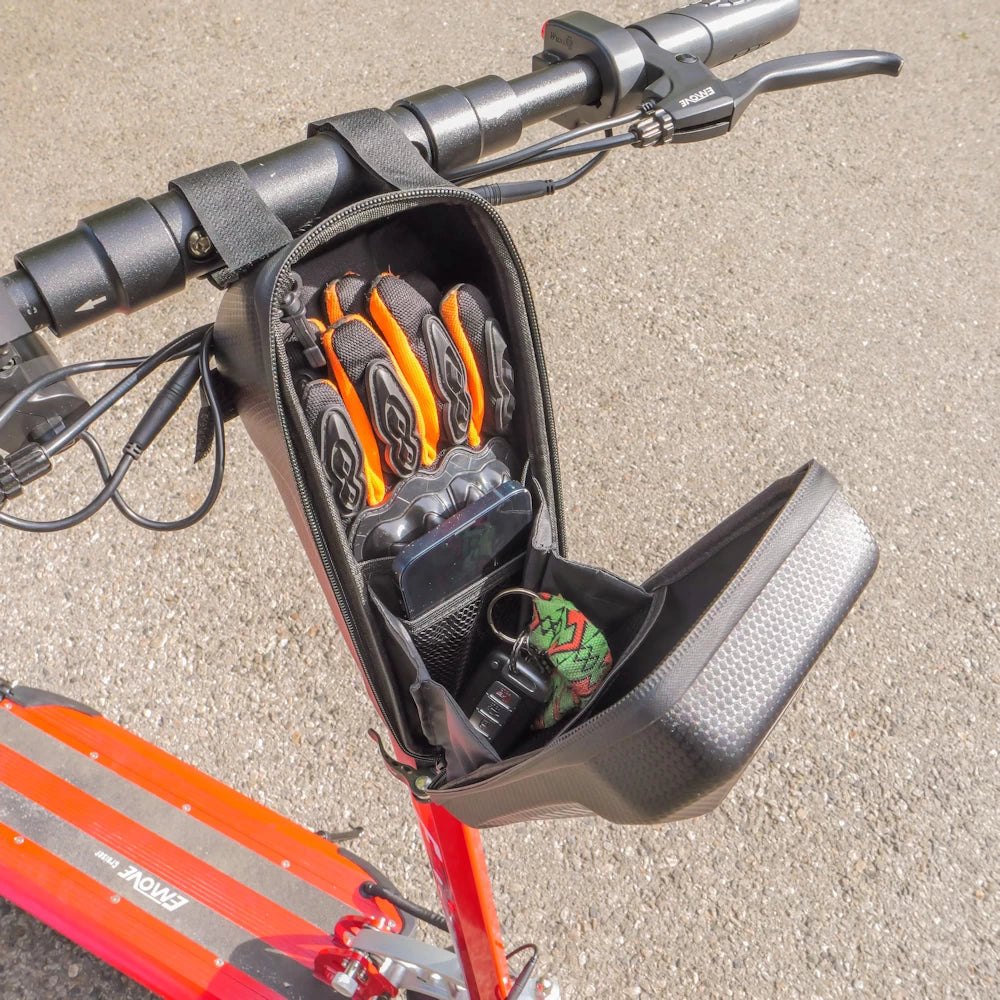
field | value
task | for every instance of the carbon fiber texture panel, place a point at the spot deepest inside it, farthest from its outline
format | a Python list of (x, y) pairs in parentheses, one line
[(655, 758)]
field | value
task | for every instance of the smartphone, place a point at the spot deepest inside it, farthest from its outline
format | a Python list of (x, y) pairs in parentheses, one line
[(464, 548)]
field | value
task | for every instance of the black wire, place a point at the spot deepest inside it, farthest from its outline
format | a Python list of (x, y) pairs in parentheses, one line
[(112, 481), (168, 352), (219, 436), (578, 149), (111, 484), (582, 149), (371, 890), (57, 375), (520, 156), (520, 983), (523, 947), (506, 193), (564, 182)]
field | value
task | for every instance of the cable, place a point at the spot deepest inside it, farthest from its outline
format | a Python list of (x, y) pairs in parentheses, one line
[(219, 437), (168, 352), (579, 174), (372, 890), (521, 982), (110, 486), (505, 194), (169, 399), (578, 149), (511, 160)]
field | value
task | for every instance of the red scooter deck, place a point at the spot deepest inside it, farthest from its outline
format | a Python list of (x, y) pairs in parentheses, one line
[(183, 884)]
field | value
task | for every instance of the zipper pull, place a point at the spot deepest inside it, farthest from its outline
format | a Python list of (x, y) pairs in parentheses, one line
[(419, 781), (293, 312)]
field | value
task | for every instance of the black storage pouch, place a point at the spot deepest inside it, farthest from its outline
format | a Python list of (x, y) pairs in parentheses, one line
[(707, 652)]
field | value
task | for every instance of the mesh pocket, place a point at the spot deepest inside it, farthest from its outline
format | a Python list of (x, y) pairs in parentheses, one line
[(455, 636)]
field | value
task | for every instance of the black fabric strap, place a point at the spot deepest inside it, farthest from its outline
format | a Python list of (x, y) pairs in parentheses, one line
[(226, 394), (375, 140), (241, 227)]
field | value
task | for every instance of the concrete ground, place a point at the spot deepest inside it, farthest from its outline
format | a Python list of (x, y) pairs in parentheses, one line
[(821, 283)]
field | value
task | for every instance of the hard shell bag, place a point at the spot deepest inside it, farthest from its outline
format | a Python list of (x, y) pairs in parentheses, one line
[(706, 653)]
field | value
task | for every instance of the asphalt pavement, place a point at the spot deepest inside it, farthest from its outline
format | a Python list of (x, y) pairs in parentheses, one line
[(821, 283)]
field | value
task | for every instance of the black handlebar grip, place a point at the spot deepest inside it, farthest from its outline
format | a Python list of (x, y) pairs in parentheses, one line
[(717, 31)]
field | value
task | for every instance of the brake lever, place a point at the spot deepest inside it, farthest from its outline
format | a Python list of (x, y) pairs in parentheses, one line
[(803, 71), (687, 102)]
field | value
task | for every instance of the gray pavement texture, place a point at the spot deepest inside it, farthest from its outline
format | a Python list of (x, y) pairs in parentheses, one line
[(823, 282)]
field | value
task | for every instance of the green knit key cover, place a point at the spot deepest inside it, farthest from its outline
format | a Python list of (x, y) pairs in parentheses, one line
[(577, 650)]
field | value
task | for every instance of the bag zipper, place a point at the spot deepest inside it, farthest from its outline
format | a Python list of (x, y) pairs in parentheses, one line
[(359, 214)]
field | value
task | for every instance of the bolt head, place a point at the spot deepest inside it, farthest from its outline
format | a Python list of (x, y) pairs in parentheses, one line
[(345, 985), (199, 245)]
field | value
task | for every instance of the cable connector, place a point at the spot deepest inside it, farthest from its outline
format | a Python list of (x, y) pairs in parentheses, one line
[(293, 312), (505, 194), (20, 468), (167, 402), (654, 129)]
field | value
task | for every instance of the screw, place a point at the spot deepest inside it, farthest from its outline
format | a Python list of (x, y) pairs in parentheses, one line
[(186, 807), (422, 782), (199, 245), (19, 840), (116, 899), (220, 962), (286, 864), (94, 755), (687, 57)]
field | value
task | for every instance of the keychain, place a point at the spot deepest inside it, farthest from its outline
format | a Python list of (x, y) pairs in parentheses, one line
[(571, 646)]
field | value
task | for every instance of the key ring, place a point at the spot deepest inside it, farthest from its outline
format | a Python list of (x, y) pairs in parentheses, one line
[(515, 641)]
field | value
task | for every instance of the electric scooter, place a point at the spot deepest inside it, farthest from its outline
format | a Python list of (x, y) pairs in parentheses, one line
[(183, 884)]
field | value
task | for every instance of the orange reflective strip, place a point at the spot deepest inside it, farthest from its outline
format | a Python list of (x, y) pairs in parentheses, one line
[(452, 320), (359, 417), (412, 373)]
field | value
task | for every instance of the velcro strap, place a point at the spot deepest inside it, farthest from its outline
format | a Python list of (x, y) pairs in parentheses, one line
[(241, 227), (377, 142), (225, 393)]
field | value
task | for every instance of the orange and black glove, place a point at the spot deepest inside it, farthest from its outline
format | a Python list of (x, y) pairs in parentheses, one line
[(474, 329), (336, 440), (413, 382), (379, 400), (424, 350)]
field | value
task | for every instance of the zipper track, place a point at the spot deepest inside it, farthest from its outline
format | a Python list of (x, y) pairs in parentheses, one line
[(371, 210)]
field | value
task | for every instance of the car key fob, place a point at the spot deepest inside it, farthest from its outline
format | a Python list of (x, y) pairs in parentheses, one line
[(506, 694)]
